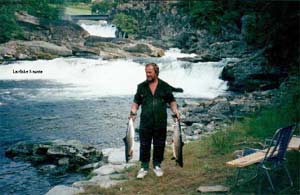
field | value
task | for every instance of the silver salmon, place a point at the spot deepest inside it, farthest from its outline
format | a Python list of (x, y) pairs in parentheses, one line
[(177, 144), (129, 140)]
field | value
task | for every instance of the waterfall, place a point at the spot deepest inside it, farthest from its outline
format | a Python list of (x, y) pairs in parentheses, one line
[(90, 78), (99, 28)]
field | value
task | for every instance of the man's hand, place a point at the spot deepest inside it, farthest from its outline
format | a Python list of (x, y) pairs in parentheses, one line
[(176, 117), (133, 111), (132, 116)]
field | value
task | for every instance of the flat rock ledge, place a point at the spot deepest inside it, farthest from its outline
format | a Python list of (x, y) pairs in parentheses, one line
[(108, 175)]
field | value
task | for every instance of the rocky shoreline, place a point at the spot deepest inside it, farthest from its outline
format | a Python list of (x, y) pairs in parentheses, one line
[(58, 38), (200, 118)]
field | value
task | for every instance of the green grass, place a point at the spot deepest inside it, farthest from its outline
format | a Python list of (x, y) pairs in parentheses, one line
[(78, 9), (204, 161)]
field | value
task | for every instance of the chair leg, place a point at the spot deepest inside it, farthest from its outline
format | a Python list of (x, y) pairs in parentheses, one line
[(237, 177), (288, 174), (269, 179), (236, 183), (259, 181)]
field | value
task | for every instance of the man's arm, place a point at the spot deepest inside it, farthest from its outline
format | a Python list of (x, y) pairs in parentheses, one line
[(173, 106), (133, 111)]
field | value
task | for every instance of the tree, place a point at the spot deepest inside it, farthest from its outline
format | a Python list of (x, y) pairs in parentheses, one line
[(103, 7), (8, 25), (10, 29), (126, 23)]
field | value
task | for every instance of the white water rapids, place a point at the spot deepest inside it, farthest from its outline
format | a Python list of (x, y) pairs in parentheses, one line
[(100, 28), (90, 78), (83, 78)]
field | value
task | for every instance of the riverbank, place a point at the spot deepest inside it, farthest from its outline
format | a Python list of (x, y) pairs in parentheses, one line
[(49, 39), (204, 160), (207, 147)]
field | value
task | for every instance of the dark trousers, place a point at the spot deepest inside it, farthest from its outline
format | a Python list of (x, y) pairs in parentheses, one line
[(159, 141)]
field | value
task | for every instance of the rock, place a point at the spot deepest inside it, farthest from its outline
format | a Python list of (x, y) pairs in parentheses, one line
[(25, 17), (251, 74), (91, 166), (47, 168), (105, 181), (210, 127), (70, 155), (144, 48), (29, 50), (196, 126), (190, 120), (198, 131), (190, 103), (20, 149), (201, 58), (117, 156), (219, 108), (231, 48), (63, 161), (194, 129), (64, 190), (105, 170), (111, 168)]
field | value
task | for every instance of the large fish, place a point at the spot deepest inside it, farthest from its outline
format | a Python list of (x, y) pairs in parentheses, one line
[(177, 144), (129, 140)]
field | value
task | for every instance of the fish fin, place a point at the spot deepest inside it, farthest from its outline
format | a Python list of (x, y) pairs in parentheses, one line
[(179, 163)]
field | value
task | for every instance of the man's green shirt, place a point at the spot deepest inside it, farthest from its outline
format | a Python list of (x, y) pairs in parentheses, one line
[(154, 107)]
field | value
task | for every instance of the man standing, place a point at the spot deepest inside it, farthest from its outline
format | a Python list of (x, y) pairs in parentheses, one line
[(153, 95)]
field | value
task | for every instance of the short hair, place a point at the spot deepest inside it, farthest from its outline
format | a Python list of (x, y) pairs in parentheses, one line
[(155, 67)]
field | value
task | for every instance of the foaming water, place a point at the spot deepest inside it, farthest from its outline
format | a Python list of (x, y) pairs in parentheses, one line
[(101, 29), (93, 78)]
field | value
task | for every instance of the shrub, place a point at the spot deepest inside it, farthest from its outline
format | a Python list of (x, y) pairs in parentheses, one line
[(8, 26), (103, 7), (126, 23)]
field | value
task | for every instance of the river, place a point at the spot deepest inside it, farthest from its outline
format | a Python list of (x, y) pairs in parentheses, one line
[(87, 99)]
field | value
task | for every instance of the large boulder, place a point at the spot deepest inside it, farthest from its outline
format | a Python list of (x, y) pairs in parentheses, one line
[(232, 48), (144, 48), (64, 190), (68, 155), (201, 58), (30, 50), (122, 48), (251, 74)]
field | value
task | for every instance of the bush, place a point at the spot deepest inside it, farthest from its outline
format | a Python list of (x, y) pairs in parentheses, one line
[(206, 14), (9, 28), (103, 7), (126, 23), (43, 9)]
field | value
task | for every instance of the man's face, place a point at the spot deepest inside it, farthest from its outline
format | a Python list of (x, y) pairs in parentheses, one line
[(150, 74)]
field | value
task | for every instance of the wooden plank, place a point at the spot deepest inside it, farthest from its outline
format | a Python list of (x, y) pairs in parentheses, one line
[(247, 160), (216, 188), (259, 156), (294, 143)]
